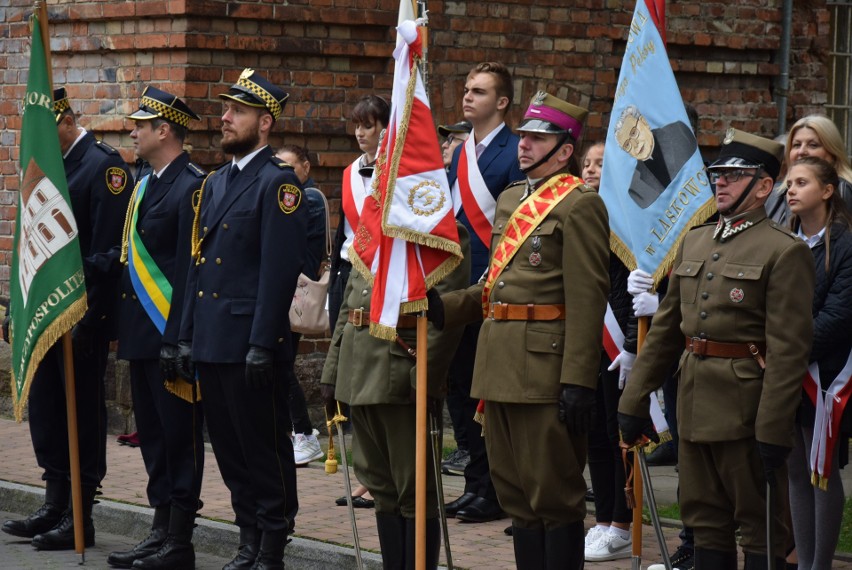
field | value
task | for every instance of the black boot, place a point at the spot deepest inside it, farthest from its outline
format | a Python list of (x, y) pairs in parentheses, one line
[(433, 543), (150, 545), (61, 537), (391, 529), (47, 516), (564, 547), (247, 552), (271, 555), (529, 548), (706, 559), (755, 561), (176, 552)]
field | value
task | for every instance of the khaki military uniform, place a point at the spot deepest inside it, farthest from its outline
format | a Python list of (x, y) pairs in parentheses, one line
[(536, 466), (747, 281)]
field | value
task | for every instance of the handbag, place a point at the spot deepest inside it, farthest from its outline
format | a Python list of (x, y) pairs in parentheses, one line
[(309, 310)]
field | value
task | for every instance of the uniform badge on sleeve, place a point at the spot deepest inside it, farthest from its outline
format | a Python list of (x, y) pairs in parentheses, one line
[(289, 198), (116, 179)]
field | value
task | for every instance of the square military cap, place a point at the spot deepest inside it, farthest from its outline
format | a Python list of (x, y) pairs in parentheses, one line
[(744, 150), (459, 128), (254, 90), (158, 104), (60, 102), (550, 114)]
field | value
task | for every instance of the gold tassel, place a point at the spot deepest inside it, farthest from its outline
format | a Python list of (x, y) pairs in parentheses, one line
[(184, 390), (331, 456)]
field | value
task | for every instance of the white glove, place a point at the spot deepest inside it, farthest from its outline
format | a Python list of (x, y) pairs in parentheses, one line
[(624, 362), (639, 282), (646, 304)]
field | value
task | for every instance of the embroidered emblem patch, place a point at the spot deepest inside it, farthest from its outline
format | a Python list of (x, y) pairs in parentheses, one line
[(116, 179), (289, 198), (737, 295), (426, 198)]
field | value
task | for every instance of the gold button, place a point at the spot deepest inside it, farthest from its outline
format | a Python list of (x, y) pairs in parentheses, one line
[(203, 260), (218, 261), (215, 295), (142, 232), (225, 226), (124, 295), (133, 296), (205, 229), (200, 294), (280, 340)]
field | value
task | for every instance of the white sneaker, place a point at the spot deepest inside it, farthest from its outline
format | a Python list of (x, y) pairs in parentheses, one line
[(594, 534), (306, 448), (609, 547)]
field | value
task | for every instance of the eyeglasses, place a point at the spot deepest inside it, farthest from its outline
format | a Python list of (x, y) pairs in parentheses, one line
[(452, 138), (732, 175)]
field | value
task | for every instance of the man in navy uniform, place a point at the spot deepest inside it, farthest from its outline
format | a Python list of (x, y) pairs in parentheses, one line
[(156, 256), (249, 247), (99, 186)]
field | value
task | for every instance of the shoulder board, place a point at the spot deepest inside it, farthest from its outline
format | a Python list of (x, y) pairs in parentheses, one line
[(586, 188), (516, 182), (786, 231), (195, 169), (280, 163), (105, 147)]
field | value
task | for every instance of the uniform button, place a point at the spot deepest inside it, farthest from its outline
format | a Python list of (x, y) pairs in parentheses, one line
[(280, 340), (501, 284), (218, 261), (142, 232), (689, 270), (124, 295), (710, 276), (705, 295), (215, 295), (103, 317), (715, 257), (200, 294), (203, 260), (205, 229), (703, 314), (133, 296), (364, 292), (553, 345), (723, 240), (740, 274), (224, 226)]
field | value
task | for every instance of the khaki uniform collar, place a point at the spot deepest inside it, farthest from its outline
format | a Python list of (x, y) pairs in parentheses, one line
[(729, 227)]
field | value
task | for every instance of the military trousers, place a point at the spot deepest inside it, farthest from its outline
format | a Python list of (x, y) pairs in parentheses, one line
[(170, 436), (48, 417), (536, 465), (722, 488), (248, 429)]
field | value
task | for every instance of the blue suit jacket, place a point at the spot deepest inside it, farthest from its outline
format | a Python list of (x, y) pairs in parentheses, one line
[(499, 167), (240, 290), (165, 226)]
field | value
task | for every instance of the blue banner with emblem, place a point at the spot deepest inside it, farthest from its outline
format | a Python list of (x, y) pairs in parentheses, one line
[(653, 181)]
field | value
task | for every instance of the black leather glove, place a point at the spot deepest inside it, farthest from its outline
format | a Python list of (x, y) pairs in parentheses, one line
[(258, 367), (184, 366), (773, 458), (435, 314), (633, 428), (328, 400), (6, 320), (83, 339), (577, 408), (168, 361)]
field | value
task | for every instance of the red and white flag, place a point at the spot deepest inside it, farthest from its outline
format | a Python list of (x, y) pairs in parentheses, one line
[(407, 239)]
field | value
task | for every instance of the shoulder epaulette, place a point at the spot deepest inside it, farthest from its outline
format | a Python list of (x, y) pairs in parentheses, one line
[(280, 163), (586, 188), (105, 147), (786, 231), (195, 169), (516, 182)]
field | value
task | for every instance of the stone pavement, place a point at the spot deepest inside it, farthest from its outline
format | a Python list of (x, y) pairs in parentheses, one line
[(320, 525)]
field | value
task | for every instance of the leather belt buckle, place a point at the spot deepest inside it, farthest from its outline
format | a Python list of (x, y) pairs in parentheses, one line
[(698, 346), (357, 318), (491, 310), (530, 312)]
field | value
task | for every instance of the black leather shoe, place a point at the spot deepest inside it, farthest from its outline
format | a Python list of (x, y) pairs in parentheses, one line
[(61, 537), (145, 548), (480, 510), (452, 508), (44, 519)]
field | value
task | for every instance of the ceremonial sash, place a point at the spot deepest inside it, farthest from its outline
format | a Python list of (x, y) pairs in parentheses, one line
[(829, 411), (471, 192), (523, 222), (352, 204), (152, 287)]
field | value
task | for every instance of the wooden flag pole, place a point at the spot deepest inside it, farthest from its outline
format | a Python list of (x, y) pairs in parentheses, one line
[(420, 464), (637, 472), (68, 354)]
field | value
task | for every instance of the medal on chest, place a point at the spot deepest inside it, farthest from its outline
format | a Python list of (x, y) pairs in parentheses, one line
[(535, 256)]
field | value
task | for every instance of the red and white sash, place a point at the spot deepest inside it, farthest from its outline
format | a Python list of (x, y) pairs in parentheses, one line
[(829, 406), (471, 192), (354, 192)]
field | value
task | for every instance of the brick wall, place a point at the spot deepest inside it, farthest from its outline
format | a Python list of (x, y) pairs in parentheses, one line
[(330, 52)]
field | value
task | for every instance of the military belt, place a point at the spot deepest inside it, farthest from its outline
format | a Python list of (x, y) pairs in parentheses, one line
[(507, 312), (704, 347), (361, 318)]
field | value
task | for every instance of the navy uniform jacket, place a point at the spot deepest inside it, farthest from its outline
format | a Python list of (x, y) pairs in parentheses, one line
[(165, 227), (499, 167), (100, 186), (239, 291)]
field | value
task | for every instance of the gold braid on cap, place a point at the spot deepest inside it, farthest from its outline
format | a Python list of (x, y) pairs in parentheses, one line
[(167, 112), (271, 102), (61, 105)]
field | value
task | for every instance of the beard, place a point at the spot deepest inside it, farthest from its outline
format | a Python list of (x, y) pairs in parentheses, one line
[(241, 146)]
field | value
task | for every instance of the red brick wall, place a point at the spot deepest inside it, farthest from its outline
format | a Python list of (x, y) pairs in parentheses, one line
[(328, 53)]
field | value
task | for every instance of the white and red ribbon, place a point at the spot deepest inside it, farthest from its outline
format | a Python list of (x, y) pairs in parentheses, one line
[(471, 192)]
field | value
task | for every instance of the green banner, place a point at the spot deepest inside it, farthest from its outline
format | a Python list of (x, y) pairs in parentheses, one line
[(47, 289)]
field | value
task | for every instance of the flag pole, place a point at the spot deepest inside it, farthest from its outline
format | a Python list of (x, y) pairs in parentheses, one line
[(636, 530), (420, 464), (67, 354)]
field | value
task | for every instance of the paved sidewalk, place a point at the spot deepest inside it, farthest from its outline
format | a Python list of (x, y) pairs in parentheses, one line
[(474, 546)]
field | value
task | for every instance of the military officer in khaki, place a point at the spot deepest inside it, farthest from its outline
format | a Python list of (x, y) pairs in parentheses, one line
[(739, 300), (543, 300), (376, 377)]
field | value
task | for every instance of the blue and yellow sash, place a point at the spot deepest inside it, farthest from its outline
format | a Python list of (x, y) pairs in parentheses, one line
[(152, 287)]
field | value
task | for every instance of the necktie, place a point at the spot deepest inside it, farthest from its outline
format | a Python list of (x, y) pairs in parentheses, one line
[(219, 191), (233, 173)]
